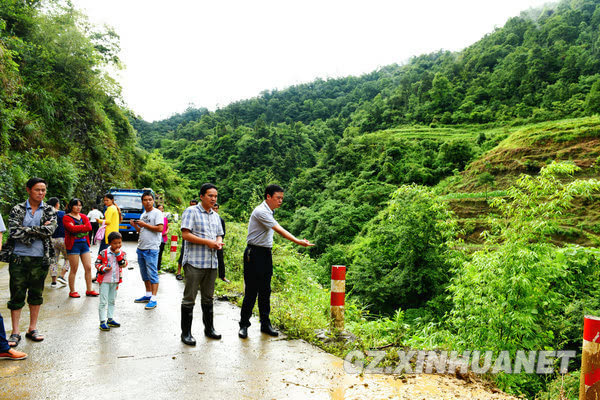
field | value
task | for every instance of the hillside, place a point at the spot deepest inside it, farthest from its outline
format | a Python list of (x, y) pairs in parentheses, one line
[(61, 114), (540, 66), (396, 174), (525, 150)]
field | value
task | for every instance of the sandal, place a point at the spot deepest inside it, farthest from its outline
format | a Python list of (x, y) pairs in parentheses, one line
[(15, 338), (34, 335), (179, 277)]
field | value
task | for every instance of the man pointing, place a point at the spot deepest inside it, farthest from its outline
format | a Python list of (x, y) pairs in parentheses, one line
[(258, 262)]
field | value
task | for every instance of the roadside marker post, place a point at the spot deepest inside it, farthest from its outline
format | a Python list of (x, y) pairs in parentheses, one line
[(173, 247), (338, 296), (589, 381)]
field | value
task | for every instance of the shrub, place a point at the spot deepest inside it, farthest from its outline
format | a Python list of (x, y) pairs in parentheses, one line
[(521, 292), (401, 260)]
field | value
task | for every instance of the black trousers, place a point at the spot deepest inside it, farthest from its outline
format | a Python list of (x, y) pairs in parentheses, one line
[(221, 264), (95, 227), (160, 254), (180, 260), (258, 270)]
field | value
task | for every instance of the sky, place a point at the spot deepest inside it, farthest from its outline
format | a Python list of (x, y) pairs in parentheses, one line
[(198, 53)]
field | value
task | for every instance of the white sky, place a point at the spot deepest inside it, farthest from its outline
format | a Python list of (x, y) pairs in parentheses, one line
[(210, 53)]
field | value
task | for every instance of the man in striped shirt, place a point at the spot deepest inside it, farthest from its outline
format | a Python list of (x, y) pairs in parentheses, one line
[(201, 228)]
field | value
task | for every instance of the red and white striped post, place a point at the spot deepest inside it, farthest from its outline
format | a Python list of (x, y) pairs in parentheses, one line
[(589, 381), (173, 247), (338, 295)]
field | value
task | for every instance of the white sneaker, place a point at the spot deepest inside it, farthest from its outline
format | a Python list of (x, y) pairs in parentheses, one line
[(53, 285), (61, 280)]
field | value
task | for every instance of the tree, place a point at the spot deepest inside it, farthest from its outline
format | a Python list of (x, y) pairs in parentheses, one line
[(486, 179), (402, 258), (592, 101)]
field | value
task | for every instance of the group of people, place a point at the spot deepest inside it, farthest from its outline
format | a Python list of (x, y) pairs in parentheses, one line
[(35, 230), (203, 233), (39, 232)]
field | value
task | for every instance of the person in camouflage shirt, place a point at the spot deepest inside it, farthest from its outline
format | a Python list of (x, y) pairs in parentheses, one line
[(30, 228)]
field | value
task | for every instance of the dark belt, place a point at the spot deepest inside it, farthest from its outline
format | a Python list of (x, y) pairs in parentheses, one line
[(252, 246)]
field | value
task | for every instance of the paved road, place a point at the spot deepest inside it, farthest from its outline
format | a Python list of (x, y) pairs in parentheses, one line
[(144, 359)]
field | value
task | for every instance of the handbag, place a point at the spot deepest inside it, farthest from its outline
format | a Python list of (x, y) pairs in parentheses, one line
[(101, 232)]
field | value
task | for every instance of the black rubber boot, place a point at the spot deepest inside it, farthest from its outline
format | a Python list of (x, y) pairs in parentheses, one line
[(187, 314), (207, 318), (243, 333), (268, 329)]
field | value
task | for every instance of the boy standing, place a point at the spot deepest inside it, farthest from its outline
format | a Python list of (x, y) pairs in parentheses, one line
[(110, 263), (150, 227)]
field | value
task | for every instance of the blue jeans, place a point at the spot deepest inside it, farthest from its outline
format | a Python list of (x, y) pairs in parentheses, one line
[(4, 347), (147, 261)]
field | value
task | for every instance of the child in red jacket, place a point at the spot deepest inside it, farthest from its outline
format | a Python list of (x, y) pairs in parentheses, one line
[(110, 263)]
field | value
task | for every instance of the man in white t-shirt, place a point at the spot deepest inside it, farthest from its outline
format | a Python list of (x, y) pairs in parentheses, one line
[(93, 216), (149, 227)]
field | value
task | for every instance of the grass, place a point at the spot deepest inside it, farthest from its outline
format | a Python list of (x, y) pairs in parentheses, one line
[(442, 133), (476, 195), (299, 304), (530, 147)]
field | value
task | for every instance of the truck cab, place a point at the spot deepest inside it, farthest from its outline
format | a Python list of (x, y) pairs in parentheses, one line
[(130, 203)]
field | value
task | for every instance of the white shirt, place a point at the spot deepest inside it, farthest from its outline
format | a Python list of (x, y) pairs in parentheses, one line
[(94, 215)]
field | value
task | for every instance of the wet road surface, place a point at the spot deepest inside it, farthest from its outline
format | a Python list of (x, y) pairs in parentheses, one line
[(145, 359)]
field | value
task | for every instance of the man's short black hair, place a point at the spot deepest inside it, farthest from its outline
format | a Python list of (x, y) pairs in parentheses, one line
[(34, 181), (205, 187), (193, 202), (147, 193), (114, 235), (272, 189), (53, 201)]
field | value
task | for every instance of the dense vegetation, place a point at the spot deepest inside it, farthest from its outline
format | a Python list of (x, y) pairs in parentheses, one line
[(60, 112), (365, 159), (341, 146), (542, 65), (394, 173)]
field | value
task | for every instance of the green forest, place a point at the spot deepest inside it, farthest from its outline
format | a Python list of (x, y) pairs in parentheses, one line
[(61, 114), (459, 188)]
